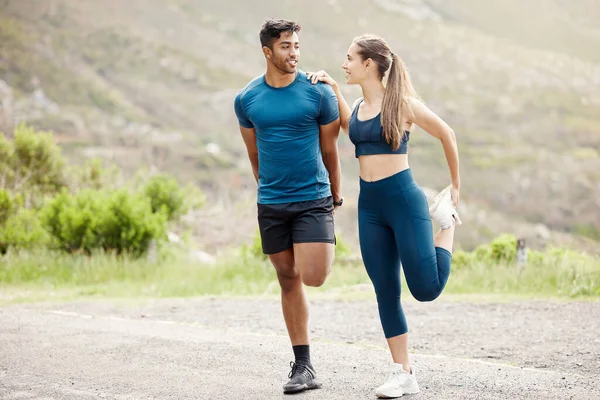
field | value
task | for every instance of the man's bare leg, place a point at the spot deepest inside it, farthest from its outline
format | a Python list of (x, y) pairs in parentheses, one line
[(314, 261), (293, 298), (307, 263)]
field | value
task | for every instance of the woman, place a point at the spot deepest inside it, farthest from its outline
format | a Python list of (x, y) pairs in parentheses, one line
[(393, 215)]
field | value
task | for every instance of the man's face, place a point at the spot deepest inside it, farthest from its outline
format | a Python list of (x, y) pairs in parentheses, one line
[(285, 53)]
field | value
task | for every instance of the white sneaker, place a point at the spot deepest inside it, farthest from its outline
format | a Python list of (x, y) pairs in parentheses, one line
[(442, 211), (399, 383)]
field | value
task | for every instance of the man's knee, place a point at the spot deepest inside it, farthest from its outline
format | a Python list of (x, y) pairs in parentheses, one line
[(315, 277), (288, 277), (287, 273), (314, 281)]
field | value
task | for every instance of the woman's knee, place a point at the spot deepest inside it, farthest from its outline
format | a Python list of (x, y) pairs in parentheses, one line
[(427, 278), (425, 294)]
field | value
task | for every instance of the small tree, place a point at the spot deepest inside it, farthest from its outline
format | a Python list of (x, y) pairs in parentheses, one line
[(31, 163)]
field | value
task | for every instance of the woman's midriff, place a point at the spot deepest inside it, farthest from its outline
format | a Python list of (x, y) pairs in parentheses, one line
[(379, 166)]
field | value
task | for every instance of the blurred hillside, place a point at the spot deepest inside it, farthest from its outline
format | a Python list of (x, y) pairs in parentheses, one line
[(151, 82)]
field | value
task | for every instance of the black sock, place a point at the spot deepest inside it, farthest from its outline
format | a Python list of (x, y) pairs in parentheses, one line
[(302, 354)]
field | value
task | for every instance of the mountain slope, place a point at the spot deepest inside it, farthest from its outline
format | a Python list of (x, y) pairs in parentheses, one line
[(152, 82)]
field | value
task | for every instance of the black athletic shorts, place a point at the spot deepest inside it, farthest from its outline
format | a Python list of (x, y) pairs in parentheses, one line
[(282, 225)]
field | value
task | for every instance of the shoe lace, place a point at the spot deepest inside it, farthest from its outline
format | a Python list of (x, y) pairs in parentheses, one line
[(392, 376), (299, 369), (397, 375)]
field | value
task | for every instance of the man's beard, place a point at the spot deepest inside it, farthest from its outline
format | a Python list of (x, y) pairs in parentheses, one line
[(286, 68)]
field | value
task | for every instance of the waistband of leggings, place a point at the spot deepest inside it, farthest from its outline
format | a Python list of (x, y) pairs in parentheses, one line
[(401, 178)]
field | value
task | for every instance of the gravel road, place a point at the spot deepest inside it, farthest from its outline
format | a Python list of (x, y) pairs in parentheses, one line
[(215, 348)]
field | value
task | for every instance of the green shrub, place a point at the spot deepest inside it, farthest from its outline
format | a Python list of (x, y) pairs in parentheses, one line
[(23, 230), (165, 194), (254, 249), (31, 160), (462, 260), (72, 220), (19, 227), (129, 225), (119, 221), (6, 206), (92, 215), (342, 248), (503, 249)]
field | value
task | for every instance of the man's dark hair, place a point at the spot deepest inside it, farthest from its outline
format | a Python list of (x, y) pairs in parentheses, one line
[(272, 29)]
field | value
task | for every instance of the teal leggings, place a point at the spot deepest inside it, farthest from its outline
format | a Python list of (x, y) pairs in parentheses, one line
[(394, 226)]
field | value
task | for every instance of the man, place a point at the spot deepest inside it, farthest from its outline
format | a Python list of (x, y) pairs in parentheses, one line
[(290, 128)]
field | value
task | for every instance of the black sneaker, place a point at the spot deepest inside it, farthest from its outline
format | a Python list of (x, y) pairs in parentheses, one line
[(302, 377)]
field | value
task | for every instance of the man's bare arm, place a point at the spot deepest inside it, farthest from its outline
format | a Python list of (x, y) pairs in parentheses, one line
[(329, 149), (249, 136)]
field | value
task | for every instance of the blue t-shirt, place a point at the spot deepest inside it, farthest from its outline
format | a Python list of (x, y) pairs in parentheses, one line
[(286, 121)]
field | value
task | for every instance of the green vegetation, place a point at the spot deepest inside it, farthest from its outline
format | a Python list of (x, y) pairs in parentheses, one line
[(124, 276), (554, 272), (85, 232), (490, 269), (31, 163), (589, 231), (100, 219), (43, 206)]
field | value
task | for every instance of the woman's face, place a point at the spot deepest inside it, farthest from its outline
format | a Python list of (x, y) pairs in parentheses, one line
[(355, 67)]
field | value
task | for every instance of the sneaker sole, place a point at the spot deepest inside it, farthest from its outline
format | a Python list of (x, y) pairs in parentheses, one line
[(395, 395), (314, 384)]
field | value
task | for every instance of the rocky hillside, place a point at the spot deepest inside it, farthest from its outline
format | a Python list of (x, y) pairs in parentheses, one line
[(151, 82)]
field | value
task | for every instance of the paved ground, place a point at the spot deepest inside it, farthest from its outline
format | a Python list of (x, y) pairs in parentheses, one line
[(238, 349)]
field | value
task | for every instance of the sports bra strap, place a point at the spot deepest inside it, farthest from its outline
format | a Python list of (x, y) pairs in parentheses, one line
[(355, 111)]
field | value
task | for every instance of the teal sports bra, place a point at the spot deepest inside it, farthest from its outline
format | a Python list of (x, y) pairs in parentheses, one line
[(368, 139)]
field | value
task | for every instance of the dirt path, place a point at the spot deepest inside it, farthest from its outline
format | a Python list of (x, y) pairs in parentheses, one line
[(238, 349)]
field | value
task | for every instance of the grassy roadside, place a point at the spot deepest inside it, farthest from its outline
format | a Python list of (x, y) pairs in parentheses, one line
[(48, 276)]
